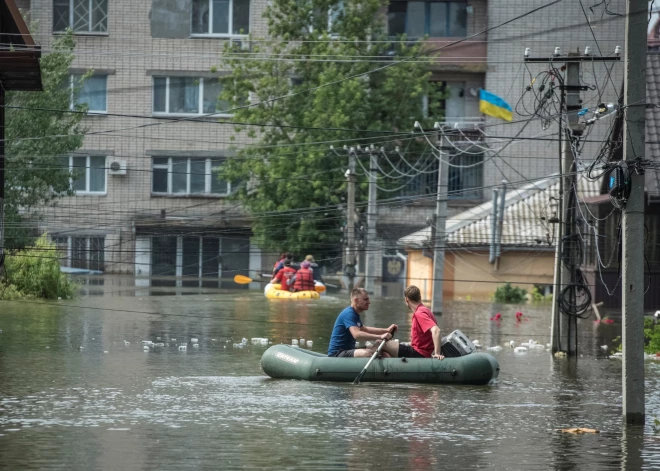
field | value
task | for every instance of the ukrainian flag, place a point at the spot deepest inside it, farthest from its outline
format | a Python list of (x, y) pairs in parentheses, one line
[(494, 106)]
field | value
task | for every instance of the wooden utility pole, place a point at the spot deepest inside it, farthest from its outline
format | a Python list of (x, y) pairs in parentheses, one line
[(440, 239), (372, 216), (633, 213)]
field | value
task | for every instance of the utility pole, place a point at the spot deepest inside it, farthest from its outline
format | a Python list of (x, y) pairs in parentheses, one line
[(2, 179), (564, 320), (633, 214), (440, 239), (350, 219), (372, 216)]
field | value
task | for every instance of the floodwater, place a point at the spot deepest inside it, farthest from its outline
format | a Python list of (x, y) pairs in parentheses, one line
[(79, 391)]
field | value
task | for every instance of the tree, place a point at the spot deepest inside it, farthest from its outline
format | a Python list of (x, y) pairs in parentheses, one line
[(294, 185), (39, 130)]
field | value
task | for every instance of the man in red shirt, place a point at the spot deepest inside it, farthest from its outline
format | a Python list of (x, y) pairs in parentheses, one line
[(425, 333)]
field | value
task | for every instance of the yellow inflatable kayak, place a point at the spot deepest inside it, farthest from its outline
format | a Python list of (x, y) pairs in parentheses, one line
[(273, 291)]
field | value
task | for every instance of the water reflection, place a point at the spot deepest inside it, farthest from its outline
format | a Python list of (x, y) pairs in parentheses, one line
[(112, 404)]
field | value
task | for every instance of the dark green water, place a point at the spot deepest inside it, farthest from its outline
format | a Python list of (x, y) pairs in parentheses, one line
[(111, 405)]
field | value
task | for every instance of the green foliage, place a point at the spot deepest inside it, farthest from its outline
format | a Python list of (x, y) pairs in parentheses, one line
[(510, 294), (35, 137), (291, 166), (34, 272), (538, 296)]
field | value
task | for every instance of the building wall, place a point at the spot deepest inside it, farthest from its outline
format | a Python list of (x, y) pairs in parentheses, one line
[(469, 275), (563, 25)]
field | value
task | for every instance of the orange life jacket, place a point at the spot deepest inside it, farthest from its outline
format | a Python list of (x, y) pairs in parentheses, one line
[(304, 280)]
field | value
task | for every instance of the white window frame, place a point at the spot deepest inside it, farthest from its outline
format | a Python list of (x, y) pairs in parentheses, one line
[(89, 20), (87, 175), (231, 23), (88, 248), (208, 174), (200, 102), (72, 103)]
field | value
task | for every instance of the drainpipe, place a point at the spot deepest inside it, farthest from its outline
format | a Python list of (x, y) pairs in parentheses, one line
[(493, 226), (498, 242)]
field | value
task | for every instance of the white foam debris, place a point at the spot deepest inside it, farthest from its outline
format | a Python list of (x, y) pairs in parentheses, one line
[(158, 338), (145, 348), (183, 348), (214, 340), (159, 344), (81, 348), (195, 345), (105, 351), (603, 347), (263, 341), (244, 341), (476, 343), (147, 342), (126, 342), (511, 344), (173, 340), (520, 350), (496, 348), (194, 340), (310, 343)]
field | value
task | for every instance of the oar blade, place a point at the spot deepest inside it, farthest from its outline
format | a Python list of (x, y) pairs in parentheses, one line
[(242, 280), (320, 288)]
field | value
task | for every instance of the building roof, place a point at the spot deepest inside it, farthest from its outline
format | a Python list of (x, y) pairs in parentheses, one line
[(19, 55), (652, 112), (526, 213)]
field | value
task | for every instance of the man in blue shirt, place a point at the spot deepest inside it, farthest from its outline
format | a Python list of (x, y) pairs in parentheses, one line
[(349, 328)]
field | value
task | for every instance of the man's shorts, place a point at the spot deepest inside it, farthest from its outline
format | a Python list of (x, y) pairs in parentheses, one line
[(345, 353), (406, 351)]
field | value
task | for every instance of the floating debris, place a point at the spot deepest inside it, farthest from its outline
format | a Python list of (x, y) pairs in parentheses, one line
[(147, 342), (145, 348), (194, 340), (579, 430), (310, 344), (183, 348), (520, 350)]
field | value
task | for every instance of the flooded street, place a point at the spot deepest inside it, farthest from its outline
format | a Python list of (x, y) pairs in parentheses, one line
[(79, 390)]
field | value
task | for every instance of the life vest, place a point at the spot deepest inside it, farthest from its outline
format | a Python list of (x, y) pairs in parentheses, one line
[(304, 280), (284, 275)]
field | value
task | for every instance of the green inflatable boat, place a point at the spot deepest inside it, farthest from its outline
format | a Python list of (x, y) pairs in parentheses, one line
[(285, 361)]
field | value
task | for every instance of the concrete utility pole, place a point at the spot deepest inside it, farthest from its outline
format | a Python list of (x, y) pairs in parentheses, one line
[(440, 240), (564, 324), (2, 179), (633, 214), (372, 216), (350, 219)]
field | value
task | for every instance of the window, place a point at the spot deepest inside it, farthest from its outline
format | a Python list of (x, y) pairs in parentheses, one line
[(435, 19), (188, 176), (93, 92), (88, 173), (465, 181), (86, 252), (82, 16), (188, 95), (451, 103), (221, 17)]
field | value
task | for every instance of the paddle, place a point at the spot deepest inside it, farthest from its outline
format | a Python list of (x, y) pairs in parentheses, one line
[(243, 280), (364, 370)]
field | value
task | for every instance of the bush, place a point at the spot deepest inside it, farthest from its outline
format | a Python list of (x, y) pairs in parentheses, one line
[(510, 294), (538, 296), (34, 272)]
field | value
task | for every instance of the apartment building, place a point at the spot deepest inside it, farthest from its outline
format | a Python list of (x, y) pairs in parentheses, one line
[(148, 201)]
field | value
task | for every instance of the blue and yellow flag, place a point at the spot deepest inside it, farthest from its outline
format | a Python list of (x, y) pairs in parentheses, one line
[(494, 106)]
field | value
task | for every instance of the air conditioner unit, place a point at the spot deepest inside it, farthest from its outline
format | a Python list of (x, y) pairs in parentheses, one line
[(117, 167)]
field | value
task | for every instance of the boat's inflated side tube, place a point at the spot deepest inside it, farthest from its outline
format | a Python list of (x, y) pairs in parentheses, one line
[(273, 291), (284, 361)]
